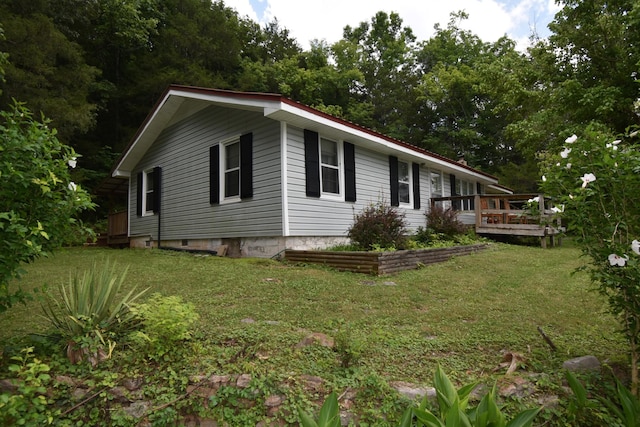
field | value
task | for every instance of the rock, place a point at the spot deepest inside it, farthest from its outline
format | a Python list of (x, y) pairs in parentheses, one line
[(412, 391), (79, 393), (516, 387), (133, 384), (316, 338), (389, 283), (248, 320), (120, 394), (273, 400), (138, 409), (582, 364), (311, 382), (220, 380), (63, 379), (243, 381)]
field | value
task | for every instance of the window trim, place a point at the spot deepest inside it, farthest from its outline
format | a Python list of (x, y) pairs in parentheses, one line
[(408, 182), (339, 167), (147, 176), (433, 172), (222, 175)]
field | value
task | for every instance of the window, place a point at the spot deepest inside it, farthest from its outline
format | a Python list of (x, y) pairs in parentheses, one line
[(464, 188), (231, 169), (436, 184), (148, 193), (330, 166), (149, 200), (403, 182)]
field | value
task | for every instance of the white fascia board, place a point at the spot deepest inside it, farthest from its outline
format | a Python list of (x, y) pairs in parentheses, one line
[(303, 118)]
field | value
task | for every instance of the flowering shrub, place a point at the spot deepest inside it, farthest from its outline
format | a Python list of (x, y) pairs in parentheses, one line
[(595, 179)]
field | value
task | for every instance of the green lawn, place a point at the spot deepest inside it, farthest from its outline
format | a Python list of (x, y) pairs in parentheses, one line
[(462, 314)]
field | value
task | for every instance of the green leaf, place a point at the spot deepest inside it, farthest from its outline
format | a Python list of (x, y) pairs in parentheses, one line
[(578, 389), (524, 418), (446, 392), (330, 412), (427, 418), (306, 420)]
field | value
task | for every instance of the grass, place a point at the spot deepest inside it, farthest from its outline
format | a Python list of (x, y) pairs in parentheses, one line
[(461, 314)]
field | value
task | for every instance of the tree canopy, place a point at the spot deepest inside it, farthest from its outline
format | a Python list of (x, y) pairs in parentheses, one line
[(96, 68)]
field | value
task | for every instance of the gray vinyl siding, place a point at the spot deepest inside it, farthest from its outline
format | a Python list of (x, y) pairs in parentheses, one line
[(182, 151), (309, 216)]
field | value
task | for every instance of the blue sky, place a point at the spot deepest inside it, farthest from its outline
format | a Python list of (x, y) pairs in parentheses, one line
[(490, 19)]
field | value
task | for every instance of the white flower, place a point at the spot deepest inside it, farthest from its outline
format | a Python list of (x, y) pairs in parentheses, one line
[(615, 259), (73, 162), (635, 247), (587, 178), (573, 138), (72, 186), (568, 165), (558, 164), (634, 133), (532, 200), (556, 209), (565, 153), (571, 196), (544, 178), (613, 145)]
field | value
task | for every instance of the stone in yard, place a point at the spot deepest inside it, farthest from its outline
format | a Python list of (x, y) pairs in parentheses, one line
[(137, 409), (7, 386), (243, 381), (63, 379), (316, 338), (412, 391), (582, 364), (133, 384)]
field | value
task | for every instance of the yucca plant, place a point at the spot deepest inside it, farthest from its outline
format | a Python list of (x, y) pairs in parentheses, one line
[(91, 310)]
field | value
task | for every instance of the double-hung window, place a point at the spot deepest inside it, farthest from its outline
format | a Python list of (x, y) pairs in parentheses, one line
[(330, 166), (231, 170), (404, 183), (147, 185), (464, 188)]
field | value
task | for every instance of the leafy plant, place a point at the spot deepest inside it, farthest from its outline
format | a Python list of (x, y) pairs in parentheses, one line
[(378, 225), (166, 321), (348, 347), (444, 221), (594, 179), (28, 404), (329, 415), (90, 312), (453, 409), (39, 203)]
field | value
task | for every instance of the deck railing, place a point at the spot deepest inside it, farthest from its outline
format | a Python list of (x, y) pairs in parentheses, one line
[(506, 214)]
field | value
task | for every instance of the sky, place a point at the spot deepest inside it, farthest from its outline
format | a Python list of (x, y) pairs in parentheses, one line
[(309, 20)]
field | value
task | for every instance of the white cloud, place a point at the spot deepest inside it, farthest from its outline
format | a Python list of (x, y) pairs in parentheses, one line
[(489, 19)]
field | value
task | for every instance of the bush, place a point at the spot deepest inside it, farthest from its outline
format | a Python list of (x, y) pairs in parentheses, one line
[(379, 226), (166, 321), (444, 221)]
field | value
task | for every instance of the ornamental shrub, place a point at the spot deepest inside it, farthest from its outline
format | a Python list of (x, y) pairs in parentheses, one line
[(379, 226), (444, 221), (595, 179), (39, 203)]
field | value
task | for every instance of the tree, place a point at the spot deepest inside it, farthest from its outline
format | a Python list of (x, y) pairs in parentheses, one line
[(38, 201), (595, 180)]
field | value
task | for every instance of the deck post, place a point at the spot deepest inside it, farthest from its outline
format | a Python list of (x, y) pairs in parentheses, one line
[(478, 211)]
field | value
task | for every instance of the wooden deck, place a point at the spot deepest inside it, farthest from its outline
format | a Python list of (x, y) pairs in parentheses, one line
[(506, 215)]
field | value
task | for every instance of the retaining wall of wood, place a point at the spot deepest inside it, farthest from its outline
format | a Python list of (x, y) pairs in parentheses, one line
[(380, 263)]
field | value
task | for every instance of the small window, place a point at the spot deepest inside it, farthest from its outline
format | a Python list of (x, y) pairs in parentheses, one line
[(465, 188), (404, 185), (436, 184), (149, 195), (329, 166), (232, 169)]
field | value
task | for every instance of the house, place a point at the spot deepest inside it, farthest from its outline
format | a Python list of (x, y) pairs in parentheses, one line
[(260, 173)]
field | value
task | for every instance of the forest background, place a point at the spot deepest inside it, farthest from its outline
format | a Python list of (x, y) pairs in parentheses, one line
[(96, 68)]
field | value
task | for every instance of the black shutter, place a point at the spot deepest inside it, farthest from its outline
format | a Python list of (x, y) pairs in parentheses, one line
[(393, 180), (452, 184), (349, 172), (214, 175), (157, 188), (140, 192), (246, 166), (416, 185), (478, 188), (312, 163)]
